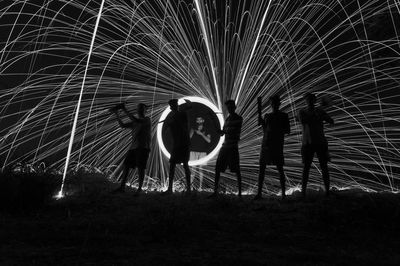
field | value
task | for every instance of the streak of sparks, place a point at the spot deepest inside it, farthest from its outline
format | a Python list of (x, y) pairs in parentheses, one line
[(151, 51)]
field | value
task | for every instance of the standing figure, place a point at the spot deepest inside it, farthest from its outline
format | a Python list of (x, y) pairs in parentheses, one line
[(229, 154), (275, 126), (139, 150), (312, 120), (199, 142), (178, 123)]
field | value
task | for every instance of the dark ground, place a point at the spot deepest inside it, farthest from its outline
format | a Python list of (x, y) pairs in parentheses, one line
[(99, 228)]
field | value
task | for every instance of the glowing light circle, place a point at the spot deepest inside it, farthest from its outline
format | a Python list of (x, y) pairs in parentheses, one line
[(205, 102)]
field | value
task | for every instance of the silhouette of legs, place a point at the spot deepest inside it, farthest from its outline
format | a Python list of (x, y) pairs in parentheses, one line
[(171, 177), (216, 181), (134, 159), (172, 174), (141, 172), (261, 176), (124, 178), (227, 157), (217, 178), (282, 179), (239, 180), (323, 158), (325, 175), (306, 172), (141, 178), (187, 174)]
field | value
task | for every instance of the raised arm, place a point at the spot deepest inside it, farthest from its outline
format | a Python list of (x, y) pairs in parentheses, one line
[(327, 118), (120, 122), (132, 117)]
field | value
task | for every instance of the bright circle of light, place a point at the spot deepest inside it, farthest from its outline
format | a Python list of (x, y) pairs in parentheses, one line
[(205, 102)]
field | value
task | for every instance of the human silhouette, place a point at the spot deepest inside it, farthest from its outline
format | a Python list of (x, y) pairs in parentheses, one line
[(199, 142), (139, 150), (229, 154), (312, 120), (275, 126), (177, 123)]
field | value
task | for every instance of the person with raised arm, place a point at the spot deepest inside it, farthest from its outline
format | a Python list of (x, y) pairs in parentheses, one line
[(139, 150)]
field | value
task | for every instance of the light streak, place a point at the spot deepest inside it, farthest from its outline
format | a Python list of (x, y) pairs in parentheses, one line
[(78, 106), (150, 52), (207, 42)]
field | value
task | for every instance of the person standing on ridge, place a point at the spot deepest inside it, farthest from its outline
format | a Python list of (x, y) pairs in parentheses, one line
[(312, 120), (275, 126), (229, 154), (177, 123), (199, 142), (139, 150)]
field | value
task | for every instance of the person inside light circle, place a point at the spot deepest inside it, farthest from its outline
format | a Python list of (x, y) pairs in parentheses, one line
[(200, 141)]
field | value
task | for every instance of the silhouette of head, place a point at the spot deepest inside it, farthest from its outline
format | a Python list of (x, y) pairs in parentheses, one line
[(141, 109), (275, 101), (310, 99), (200, 122), (173, 104), (231, 106)]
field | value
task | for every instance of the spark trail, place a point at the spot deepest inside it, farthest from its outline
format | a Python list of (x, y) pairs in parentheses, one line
[(216, 50), (78, 106)]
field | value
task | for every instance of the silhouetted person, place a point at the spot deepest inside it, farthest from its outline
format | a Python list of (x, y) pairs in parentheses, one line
[(275, 126), (139, 150), (199, 142), (312, 120), (229, 154), (178, 124)]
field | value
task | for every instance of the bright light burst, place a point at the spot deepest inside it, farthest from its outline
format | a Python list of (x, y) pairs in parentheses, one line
[(202, 101), (152, 51)]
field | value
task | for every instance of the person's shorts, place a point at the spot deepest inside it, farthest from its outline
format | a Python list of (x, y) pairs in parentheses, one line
[(137, 158), (307, 153), (179, 155), (272, 156), (228, 157)]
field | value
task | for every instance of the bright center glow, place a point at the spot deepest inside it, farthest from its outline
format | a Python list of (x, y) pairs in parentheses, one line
[(205, 102), (60, 195)]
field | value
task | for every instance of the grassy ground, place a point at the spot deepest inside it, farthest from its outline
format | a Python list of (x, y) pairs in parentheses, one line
[(96, 227)]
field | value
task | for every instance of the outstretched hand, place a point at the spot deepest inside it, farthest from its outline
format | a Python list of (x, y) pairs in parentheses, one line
[(117, 107)]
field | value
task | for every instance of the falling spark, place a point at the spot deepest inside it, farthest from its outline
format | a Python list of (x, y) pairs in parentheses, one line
[(78, 106), (215, 50)]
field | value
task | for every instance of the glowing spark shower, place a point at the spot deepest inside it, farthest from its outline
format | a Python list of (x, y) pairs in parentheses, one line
[(152, 51)]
